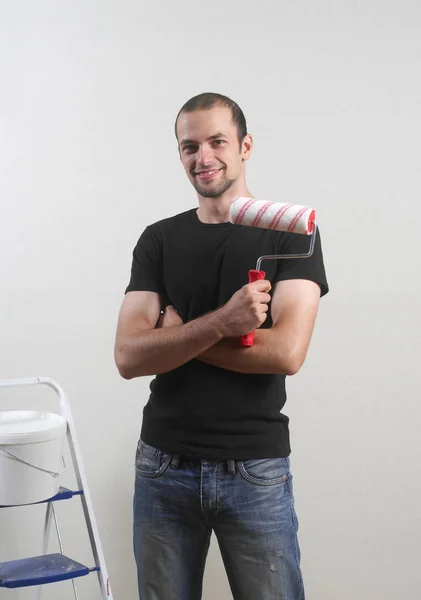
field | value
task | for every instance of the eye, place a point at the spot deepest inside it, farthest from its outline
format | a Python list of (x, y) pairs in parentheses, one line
[(190, 149), (219, 142)]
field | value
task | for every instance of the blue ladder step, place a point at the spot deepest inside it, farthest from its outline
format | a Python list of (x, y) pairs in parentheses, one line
[(63, 494), (39, 570)]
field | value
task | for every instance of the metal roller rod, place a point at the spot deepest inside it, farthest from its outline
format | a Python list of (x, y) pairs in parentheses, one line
[(279, 256)]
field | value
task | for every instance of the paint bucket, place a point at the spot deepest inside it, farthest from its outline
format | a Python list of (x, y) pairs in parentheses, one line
[(31, 450)]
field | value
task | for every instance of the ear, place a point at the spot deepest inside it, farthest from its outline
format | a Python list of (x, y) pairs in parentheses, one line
[(247, 147)]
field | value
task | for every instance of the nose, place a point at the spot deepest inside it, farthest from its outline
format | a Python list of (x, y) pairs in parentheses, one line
[(204, 155)]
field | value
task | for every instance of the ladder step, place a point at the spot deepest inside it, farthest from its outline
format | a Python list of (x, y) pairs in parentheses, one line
[(40, 570), (63, 494)]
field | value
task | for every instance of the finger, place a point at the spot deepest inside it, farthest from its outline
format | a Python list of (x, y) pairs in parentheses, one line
[(262, 286), (173, 309), (264, 298)]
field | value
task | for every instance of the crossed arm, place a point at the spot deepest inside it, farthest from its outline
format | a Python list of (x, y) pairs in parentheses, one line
[(283, 347), (143, 349)]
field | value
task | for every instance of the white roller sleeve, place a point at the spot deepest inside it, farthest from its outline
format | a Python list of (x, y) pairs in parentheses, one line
[(272, 215)]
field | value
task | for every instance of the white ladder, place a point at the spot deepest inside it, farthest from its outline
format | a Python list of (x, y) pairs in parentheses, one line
[(50, 568)]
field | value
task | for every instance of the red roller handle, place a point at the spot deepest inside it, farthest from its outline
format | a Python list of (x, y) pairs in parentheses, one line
[(248, 340)]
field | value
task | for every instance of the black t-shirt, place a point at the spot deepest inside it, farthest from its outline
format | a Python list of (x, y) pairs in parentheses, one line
[(197, 409)]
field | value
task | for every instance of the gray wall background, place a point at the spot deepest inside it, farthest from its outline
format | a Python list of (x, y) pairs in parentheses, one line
[(332, 94)]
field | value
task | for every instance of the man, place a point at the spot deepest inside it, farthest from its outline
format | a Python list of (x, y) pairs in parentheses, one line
[(214, 448)]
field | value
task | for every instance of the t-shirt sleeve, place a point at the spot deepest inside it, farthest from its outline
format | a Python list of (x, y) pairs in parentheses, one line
[(146, 271), (311, 268)]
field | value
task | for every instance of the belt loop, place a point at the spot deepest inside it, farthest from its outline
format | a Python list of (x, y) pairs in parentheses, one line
[(174, 461), (231, 467)]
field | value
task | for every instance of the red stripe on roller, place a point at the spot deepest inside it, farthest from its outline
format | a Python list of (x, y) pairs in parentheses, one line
[(261, 213), (243, 211), (297, 218), (278, 216)]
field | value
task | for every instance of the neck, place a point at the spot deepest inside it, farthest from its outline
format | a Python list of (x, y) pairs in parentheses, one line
[(216, 210)]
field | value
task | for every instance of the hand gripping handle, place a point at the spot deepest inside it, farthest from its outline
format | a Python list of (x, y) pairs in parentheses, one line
[(248, 340)]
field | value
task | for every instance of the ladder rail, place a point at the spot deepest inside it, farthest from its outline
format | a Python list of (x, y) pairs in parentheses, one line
[(45, 539)]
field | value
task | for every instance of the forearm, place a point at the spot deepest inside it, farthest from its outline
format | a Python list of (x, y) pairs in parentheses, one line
[(267, 355), (149, 352)]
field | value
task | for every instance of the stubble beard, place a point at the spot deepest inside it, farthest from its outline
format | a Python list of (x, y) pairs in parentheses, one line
[(215, 192)]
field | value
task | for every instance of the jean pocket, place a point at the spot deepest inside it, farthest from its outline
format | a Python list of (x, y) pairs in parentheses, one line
[(265, 471), (150, 461)]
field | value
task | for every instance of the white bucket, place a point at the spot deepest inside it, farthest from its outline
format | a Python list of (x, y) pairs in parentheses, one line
[(31, 446)]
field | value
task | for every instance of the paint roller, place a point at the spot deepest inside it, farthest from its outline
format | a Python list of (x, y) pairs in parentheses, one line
[(278, 217)]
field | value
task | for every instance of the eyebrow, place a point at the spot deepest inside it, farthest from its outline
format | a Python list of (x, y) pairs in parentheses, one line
[(212, 137)]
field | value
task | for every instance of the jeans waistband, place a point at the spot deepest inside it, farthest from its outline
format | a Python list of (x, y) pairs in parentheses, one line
[(177, 460)]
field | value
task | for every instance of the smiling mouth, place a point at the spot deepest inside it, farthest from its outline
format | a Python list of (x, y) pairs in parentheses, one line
[(206, 175)]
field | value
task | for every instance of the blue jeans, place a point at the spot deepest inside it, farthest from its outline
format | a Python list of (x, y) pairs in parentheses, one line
[(249, 505)]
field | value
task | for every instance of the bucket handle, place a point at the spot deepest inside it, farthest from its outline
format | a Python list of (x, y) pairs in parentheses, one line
[(53, 473)]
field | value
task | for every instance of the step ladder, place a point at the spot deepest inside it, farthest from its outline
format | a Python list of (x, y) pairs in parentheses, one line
[(51, 568)]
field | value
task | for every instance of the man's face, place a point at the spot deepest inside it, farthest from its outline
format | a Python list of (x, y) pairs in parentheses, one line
[(210, 150)]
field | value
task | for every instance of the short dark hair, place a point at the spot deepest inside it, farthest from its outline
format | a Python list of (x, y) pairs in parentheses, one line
[(208, 100)]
